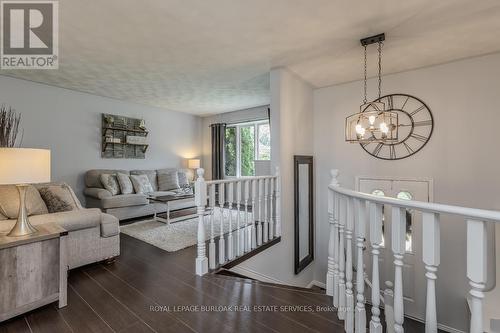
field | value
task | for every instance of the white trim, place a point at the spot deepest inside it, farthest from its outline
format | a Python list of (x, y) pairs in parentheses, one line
[(256, 275), (316, 283)]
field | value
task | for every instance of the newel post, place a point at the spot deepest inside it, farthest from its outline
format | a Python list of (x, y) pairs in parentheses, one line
[(332, 240), (200, 201), (278, 202)]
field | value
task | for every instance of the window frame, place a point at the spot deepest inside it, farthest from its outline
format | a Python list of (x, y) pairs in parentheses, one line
[(238, 127)]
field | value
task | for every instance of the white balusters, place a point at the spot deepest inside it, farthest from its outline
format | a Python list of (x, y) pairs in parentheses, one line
[(240, 242), (222, 244), (265, 229), (398, 240), (336, 252), (259, 221), (342, 221), (211, 246), (476, 271), (349, 294), (375, 240), (253, 235), (277, 196), (201, 200), (389, 307), (331, 246), (271, 211), (360, 314), (248, 229), (230, 241), (431, 258)]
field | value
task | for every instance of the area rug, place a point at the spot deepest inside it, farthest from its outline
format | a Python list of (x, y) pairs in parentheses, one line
[(182, 234)]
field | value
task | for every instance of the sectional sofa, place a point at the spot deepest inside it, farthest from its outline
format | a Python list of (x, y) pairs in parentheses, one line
[(128, 206)]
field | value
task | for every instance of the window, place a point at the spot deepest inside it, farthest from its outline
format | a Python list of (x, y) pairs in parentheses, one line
[(245, 143), (405, 195), (381, 193)]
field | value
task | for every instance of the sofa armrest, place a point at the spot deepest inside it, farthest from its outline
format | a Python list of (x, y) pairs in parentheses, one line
[(98, 193)]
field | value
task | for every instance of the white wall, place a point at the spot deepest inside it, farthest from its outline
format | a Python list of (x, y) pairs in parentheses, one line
[(462, 157), (68, 123), (240, 116), (291, 134)]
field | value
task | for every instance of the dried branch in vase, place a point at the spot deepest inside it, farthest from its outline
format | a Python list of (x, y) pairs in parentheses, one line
[(9, 126)]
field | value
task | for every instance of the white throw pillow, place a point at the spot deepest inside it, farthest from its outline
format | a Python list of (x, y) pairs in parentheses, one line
[(168, 181), (110, 183), (125, 183), (141, 184)]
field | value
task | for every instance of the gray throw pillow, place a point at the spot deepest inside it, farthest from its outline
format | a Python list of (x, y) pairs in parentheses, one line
[(55, 203), (110, 183), (125, 183), (168, 181), (141, 184), (183, 179)]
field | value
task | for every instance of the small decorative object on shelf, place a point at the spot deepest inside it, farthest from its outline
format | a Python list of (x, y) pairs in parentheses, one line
[(123, 137)]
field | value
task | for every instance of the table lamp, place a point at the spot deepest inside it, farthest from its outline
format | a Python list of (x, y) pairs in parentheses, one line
[(23, 166), (194, 164)]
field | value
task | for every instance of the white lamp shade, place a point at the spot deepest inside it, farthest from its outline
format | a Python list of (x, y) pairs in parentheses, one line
[(24, 166), (194, 163)]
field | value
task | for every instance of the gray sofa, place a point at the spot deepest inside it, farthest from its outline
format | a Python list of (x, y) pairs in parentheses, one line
[(127, 206), (92, 235)]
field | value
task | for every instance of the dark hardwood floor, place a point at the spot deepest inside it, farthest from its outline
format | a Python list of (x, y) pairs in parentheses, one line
[(149, 290)]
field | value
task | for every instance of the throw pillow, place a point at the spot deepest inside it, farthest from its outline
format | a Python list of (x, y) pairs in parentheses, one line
[(9, 201), (141, 184), (183, 179), (110, 183), (168, 181), (125, 183), (55, 203)]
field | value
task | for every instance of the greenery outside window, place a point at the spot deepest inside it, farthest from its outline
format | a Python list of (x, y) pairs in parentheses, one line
[(245, 143)]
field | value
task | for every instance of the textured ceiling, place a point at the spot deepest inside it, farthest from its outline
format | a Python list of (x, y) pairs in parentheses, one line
[(206, 57)]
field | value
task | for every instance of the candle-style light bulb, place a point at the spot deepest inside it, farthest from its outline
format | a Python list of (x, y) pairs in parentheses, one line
[(371, 119), (383, 128)]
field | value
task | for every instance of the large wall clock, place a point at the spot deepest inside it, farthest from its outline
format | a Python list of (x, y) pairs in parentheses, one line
[(414, 130)]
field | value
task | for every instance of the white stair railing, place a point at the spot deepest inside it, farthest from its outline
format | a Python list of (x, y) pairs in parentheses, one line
[(347, 217), (252, 211)]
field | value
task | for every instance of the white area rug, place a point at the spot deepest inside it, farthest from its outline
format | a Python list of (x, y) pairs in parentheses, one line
[(179, 235)]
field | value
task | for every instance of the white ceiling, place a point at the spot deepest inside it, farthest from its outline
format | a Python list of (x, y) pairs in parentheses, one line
[(206, 57)]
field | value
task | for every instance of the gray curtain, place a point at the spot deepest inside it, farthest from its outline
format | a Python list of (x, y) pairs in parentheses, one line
[(218, 134)]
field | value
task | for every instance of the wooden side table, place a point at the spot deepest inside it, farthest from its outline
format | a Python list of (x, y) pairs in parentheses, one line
[(33, 270)]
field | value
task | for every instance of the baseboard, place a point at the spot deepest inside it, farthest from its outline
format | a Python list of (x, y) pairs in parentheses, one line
[(317, 284), (255, 275)]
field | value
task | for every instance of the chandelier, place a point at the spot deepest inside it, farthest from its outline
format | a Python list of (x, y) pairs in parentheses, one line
[(375, 122)]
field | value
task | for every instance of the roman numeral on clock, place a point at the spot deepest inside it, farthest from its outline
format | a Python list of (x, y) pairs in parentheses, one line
[(390, 103), (423, 123), (392, 151), (377, 149), (419, 137), (417, 110), (408, 148)]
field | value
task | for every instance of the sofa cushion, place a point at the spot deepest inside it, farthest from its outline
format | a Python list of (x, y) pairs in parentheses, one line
[(124, 200), (9, 201), (141, 184), (151, 176), (160, 193), (126, 186), (92, 177), (168, 181), (71, 221), (54, 202), (98, 193), (183, 178), (110, 183), (110, 226), (63, 191)]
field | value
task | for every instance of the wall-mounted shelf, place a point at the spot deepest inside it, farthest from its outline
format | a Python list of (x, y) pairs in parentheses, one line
[(119, 127)]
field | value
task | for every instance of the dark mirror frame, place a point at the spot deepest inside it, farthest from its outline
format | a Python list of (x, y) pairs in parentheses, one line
[(298, 160)]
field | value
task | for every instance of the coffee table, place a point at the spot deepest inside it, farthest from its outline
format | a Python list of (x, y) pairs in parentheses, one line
[(167, 199)]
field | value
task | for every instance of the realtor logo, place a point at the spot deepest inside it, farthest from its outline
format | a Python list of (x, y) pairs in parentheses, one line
[(29, 35)]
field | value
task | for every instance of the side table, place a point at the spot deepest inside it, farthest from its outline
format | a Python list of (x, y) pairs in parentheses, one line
[(33, 270)]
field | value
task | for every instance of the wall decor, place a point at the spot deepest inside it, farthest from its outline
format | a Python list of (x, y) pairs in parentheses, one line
[(304, 211), (9, 126), (123, 137), (415, 124)]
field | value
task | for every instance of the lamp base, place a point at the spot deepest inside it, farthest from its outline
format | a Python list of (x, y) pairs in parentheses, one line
[(23, 226)]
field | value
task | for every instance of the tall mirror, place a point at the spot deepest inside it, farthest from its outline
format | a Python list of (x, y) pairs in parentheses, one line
[(304, 208)]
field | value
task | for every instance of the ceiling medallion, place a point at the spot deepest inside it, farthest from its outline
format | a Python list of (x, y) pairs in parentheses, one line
[(391, 127)]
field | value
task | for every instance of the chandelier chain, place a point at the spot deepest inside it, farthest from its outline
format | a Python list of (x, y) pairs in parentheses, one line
[(379, 69), (365, 86)]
